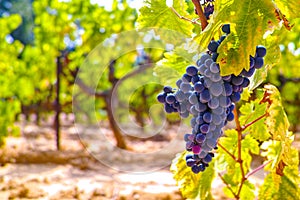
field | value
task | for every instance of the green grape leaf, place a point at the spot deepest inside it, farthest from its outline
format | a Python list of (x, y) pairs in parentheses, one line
[(272, 57), (225, 161), (249, 21), (157, 14), (199, 42), (8, 24), (249, 144), (277, 187), (289, 8), (170, 68), (281, 153), (279, 149), (259, 131), (250, 112), (247, 192), (277, 120), (246, 94), (192, 186)]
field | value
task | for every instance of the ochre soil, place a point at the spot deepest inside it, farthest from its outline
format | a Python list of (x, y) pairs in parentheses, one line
[(32, 168)]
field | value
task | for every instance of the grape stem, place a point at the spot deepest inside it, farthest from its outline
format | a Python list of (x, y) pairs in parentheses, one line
[(184, 18), (200, 13), (239, 146), (238, 159), (230, 154), (251, 123), (227, 185), (257, 169)]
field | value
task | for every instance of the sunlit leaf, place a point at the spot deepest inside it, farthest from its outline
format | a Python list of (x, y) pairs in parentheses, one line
[(192, 186), (157, 14)]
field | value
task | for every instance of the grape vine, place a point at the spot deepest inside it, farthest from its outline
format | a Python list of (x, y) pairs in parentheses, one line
[(224, 85), (209, 98)]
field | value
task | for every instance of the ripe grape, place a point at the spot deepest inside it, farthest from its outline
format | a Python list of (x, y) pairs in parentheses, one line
[(209, 98), (261, 51), (191, 70), (170, 99), (213, 46), (226, 28), (259, 62), (168, 89)]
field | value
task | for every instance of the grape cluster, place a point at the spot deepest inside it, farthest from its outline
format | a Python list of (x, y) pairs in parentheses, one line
[(209, 97), (208, 8)]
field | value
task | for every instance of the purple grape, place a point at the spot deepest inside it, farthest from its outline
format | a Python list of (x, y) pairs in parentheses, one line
[(199, 87), (230, 116), (207, 158), (168, 89), (237, 80), (235, 97), (226, 28), (259, 62), (191, 70), (170, 99), (252, 61), (204, 128), (196, 149), (213, 46), (186, 78), (205, 96), (245, 83), (161, 98), (248, 73), (190, 162), (226, 78), (228, 88), (196, 169), (261, 51), (168, 108), (188, 156), (207, 117), (200, 138)]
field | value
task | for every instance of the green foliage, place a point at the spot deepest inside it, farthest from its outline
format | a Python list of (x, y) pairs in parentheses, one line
[(276, 187), (11, 79), (192, 186), (271, 59), (284, 74), (262, 127), (250, 20), (170, 68), (277, 120), (251, 111), (157, 14)]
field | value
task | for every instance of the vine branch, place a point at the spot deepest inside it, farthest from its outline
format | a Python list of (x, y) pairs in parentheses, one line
[(251, 123), (239, 159), (257, 169), (230, 154), (200, 13), (184, 18), (227, 185)]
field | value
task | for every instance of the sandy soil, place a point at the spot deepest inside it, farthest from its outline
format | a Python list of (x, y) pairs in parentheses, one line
[(88, 168)]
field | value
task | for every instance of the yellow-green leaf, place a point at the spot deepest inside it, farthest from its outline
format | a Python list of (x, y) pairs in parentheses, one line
[(157, 14), (192, 186)]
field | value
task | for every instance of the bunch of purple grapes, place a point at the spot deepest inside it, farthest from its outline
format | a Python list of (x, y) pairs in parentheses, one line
[(208, 8), (209, 97)]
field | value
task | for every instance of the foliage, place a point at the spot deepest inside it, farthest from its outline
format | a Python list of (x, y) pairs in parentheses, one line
[(13, 77), (261, 124), (191, 185), (68, 30)]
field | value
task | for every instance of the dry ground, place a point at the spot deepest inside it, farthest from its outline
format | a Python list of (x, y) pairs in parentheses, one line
[(33, 169)]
